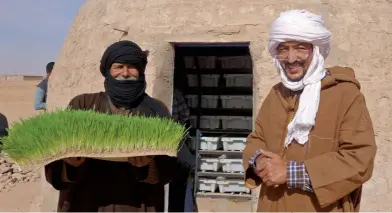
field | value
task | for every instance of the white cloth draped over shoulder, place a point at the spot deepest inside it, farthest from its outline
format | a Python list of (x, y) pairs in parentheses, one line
[(301, 25)]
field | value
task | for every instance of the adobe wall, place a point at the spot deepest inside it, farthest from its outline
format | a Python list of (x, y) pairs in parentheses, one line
[(361, 39)]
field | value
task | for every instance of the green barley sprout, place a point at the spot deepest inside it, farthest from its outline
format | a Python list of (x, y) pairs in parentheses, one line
[(51, 136)]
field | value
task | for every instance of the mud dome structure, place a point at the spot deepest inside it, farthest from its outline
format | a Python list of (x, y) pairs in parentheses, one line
[(361, 32)]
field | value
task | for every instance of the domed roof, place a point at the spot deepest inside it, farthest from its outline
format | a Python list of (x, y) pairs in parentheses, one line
[(360, 29)]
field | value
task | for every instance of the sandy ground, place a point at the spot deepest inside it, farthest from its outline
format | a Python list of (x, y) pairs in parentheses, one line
[(26, 197), (16, 101), (23, 197)]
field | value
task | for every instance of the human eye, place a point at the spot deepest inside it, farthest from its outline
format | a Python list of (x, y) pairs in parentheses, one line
[(119, 66), (281, 49)]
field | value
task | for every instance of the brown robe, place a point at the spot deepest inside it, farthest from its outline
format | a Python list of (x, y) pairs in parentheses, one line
[(100, 185), (338, 157)]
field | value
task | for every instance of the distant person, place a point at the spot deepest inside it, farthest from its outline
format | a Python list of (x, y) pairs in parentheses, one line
[(180, 195), (181, 113), (42, 88)]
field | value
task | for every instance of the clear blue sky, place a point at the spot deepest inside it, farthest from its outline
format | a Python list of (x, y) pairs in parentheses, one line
[(32, 33)]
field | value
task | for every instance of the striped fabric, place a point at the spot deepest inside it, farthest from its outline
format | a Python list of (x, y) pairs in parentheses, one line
[(297, 177), (180, 107), (252, 160)]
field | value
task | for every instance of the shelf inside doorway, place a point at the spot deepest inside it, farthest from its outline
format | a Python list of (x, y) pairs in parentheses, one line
[(219, 152), (220, 132), (218, 71), (221, 112), (225, 131), (218, 90), (219, 174), (223, 195)]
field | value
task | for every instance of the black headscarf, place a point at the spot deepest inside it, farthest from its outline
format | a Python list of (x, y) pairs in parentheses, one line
[(124, 93)]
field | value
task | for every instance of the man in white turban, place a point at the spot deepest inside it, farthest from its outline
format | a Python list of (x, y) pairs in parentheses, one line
[(313, 144)]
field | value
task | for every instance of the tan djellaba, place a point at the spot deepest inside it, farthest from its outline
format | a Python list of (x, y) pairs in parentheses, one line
[(339, 156)]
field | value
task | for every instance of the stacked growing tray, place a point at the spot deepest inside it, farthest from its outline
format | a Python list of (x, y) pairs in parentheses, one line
[(220, 165), (220, 97)]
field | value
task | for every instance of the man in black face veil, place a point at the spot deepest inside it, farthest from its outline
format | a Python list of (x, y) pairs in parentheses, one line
[(123, 65), (91, 185)]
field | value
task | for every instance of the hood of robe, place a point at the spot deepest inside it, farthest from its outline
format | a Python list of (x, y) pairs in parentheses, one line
[(340, 75)]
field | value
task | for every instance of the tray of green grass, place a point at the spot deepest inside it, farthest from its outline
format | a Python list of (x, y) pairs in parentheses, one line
[(51, 136)]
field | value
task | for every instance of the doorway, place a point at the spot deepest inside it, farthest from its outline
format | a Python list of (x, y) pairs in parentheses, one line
[(216, 81)]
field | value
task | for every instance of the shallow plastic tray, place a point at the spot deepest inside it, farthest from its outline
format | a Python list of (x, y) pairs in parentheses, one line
[(233, 143), (232, 165), (207, 185)]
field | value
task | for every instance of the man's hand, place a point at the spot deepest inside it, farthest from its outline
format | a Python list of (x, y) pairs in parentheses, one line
[(75, 161), (271, 168), (140, 161)]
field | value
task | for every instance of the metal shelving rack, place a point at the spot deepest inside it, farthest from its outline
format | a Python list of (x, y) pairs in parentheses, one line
[(198, 173), (221, 89)]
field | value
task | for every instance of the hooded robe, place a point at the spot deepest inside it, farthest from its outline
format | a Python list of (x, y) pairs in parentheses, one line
[(100, 185), (339, 155)]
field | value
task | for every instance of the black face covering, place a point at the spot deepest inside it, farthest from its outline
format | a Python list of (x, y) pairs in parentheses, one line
[(124, 93)]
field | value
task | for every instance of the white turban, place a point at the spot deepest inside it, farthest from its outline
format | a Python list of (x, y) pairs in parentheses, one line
[(303, 26)]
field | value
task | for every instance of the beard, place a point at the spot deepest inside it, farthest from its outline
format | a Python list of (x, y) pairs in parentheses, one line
[(130, 78), (299, 64)]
